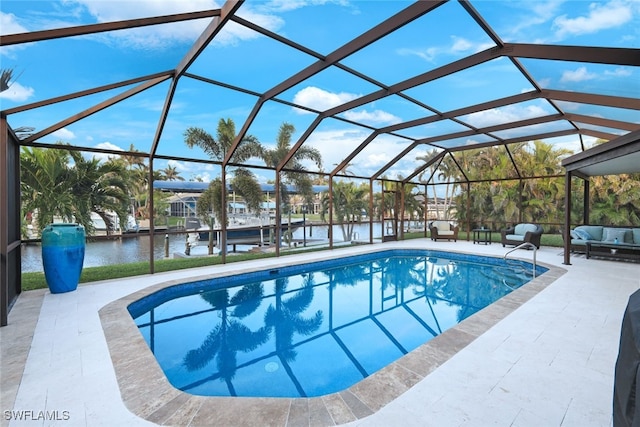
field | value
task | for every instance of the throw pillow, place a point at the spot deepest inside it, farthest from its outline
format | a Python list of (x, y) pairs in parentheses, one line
[(612, 235), (582, 234)]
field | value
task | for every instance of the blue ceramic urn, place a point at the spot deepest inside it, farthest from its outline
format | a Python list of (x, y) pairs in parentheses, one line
[(62, 256)]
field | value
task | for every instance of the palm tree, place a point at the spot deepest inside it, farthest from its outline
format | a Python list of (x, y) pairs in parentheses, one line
[(431, 170), (45, 185), (211, 198), (444, 172), (412, 205), (387, 199), (542, 197), (5, 79), (60, 183), (138, 176), (99, 187), (170, 173), (133, 161), (504, 201), (479, 164), (349, 202), (295, 174), (244, 183), (614, 200), (346, 169)]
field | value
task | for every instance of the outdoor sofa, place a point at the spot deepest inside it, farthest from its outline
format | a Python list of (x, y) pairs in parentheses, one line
[(441, 229), (521, 233), (606, 241)]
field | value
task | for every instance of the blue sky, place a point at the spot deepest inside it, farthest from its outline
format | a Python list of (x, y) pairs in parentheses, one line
[(241, 57)]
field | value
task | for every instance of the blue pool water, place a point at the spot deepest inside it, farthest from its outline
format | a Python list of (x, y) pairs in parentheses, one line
[(314, 329)]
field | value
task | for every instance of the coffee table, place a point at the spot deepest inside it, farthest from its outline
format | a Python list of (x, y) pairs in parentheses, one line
[(482, 236), (613, 250)]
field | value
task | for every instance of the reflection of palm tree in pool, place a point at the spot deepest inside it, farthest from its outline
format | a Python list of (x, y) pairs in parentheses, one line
[(402, 272), (286, 316), (470, 293), (349, 275), (230, 336)]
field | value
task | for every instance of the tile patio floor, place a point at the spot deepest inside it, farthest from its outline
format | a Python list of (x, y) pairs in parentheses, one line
[(546, 359)]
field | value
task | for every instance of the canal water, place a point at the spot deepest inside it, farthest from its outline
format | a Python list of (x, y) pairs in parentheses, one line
[(136, 249)]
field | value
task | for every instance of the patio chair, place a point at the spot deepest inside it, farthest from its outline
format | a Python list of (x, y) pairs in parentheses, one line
[(522, 233), (443, 230)]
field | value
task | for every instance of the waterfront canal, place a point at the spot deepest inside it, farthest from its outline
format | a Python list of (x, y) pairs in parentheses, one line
[(137, 249)]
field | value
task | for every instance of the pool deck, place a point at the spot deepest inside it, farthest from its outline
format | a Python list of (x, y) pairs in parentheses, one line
[(544, 355)]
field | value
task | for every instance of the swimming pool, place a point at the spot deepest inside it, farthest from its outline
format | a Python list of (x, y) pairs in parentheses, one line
[(314, 329)]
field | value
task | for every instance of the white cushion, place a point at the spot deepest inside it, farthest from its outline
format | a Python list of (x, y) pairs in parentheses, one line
[(521, 229), (519, 237), (442, 226), (445, 233)]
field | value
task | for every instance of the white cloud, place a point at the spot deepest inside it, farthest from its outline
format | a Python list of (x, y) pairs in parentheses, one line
[(428, 54), (70, 13), (569, 106), (579, 75), (285, 5), (192, 171), (385, 151), (17, 93), (545, 82), (461, 45), (471, 141), (162, 36), (108, 146), (105, 146), (156, 34), (495, 116), (288, 5), (9, 24), (377, 160), (64, 134), (180, 166), (619, 72), (233, 33), (156, 105), (373, 117), (183, 167), (201, 177), (334, 145), (535, 13), (319, 99), (110, 11), (600, 17)]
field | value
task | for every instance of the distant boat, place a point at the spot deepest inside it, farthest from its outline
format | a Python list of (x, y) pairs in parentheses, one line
[(242, 233)]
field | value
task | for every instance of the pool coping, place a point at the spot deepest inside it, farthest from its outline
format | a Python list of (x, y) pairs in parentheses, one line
[(147, 393)]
